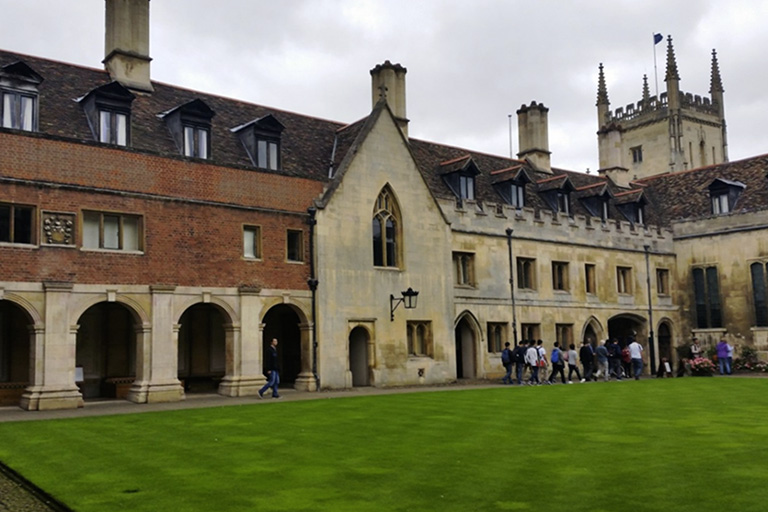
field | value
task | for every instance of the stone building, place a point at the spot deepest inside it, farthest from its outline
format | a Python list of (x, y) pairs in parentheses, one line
[(154, 239)]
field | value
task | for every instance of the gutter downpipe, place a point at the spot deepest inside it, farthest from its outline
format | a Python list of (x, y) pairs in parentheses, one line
[(312, 282)]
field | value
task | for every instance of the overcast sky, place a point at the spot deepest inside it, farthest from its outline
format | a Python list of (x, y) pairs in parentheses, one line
[(471, 63)]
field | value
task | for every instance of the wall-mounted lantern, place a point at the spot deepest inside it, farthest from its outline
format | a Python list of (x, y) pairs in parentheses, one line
[(408, 301)]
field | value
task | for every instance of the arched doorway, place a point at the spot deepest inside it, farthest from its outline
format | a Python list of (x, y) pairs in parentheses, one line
[(14, 352), (106, 350), (627, 327), (665, 342), (282, 322), (202, 348), (465, 350), (592, 332), (358, 357)]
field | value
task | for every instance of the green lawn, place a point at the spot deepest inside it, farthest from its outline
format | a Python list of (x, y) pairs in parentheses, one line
[(692, 444)]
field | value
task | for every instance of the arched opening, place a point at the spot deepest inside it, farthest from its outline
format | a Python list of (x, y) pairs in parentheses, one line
[(626, 328), (282, 322), (106, 351), (465, 350), (15, 325), (358, 357), (665, 342), (202, 348), (590, 335)]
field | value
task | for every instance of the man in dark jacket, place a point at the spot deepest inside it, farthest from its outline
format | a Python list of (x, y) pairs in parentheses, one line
[(518, 356), (587, 358), (506, 361), (273, 374), (614, 358)]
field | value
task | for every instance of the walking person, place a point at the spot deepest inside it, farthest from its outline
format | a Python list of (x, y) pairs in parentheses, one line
[(614, 358), (636, 354), (602, 361), (273, 373), (587, 358), (518, 357), (573, 363), (532, 358), (506, 361), (557, 364), (543, 363)]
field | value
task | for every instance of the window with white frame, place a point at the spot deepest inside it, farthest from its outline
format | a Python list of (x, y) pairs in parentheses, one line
[(252, 242), (196, 141), (113, 127), (18, 110), (112, 231)]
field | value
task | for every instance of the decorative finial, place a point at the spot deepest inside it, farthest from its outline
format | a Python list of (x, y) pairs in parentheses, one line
[(715, 83), (602, 90), (672, 73)]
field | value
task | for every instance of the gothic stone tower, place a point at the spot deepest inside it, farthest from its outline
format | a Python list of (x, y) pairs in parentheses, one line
[(674, 132)]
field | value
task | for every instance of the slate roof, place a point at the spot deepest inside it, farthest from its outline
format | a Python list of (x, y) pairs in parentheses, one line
[(684, 195), (314, 148)]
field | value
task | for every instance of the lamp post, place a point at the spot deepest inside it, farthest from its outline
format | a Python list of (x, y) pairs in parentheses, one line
[(650, 310), (408, 301), (512, 285)]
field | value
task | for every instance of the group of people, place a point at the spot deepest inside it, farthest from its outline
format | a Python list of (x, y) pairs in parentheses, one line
[(606, 360), (724, 354)]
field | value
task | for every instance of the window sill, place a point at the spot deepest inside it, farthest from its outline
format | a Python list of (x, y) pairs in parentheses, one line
[(112, 251), (293, 262)]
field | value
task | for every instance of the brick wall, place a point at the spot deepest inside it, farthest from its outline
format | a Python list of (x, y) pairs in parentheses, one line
[(192, 243)]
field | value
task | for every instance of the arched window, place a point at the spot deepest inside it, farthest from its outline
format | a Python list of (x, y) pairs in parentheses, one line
[(386, 230)]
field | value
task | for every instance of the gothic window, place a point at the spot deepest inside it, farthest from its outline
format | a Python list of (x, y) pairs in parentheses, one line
[(497, 334), (419, 338), (624, 280), (386, 230), (560, 275), (526, 273), (464, 268), (760, 293), (707, 297), (637, 154)]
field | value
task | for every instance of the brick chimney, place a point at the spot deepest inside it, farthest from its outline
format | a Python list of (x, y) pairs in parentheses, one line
[(388, 82), (533, 135), (126, 43)]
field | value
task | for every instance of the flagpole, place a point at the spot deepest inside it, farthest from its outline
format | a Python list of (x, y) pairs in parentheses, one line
[(655, 71)]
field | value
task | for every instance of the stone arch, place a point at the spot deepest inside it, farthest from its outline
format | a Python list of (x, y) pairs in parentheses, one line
[(359, 345), (18, 335), (108, 336), (287, 321), (468, 337), (140, 316), (206, 334), (592, 331), (628, 325), (665, 337), (226, 309), (34, 315)]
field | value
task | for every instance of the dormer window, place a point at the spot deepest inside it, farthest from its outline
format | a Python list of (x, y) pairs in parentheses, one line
[(18, 97), (563, 202), (261, 139), (510, 184), (723, 195), (631, 204), (466, 187), (190, 127), (459, 174), (517, 195), (556, 191), (108, 110), (595, 199)]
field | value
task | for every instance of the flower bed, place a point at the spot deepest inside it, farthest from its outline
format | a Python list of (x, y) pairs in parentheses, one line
[(702, 367)]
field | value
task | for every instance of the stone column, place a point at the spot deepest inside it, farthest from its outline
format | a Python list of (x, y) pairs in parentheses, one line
[(53, 380), (305, 381), (244, 366), (157, 354)]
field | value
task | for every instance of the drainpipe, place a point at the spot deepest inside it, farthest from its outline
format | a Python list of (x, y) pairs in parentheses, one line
[(512, 284), (312, 283), (650, 311)]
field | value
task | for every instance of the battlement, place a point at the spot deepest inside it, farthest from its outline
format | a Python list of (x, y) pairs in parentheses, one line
[(633, 111), (546, 225)]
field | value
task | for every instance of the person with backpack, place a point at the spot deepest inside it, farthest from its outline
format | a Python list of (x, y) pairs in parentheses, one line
[(518, 357), (557, 364), (542, 352), (506, 361)]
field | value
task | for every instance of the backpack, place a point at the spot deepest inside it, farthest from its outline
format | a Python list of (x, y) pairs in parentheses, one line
[(555, 355), (506, 356)]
